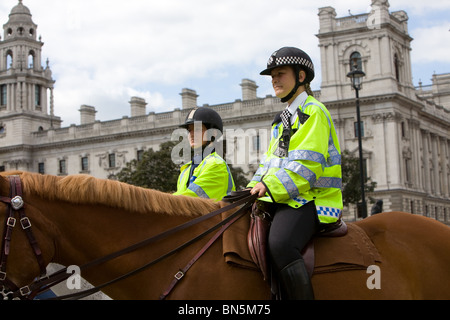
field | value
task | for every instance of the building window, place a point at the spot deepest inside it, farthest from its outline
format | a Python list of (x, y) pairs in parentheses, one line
[(403, 128), (357, 131), (3, 95), (37, 95), (365, 175), (256, 143), (408, 176), (112, 160), (9, 60), (355, 61), (41, 168), (2, 168), (62, 167), (84, 164), (396, 66), (140, 155), (432, 180), (31, 60)]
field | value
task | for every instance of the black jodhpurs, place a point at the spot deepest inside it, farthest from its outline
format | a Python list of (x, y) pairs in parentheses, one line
[(290, 231)]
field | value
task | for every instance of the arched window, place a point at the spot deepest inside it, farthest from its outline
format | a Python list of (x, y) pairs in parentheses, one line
[(31, 60), (355, 61), (397, 67), (9, 60)]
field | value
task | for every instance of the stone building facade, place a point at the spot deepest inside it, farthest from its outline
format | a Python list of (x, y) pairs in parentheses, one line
[(406, 138)]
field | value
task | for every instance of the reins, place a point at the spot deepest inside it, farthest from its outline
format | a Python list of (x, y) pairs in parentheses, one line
[(43, 284)]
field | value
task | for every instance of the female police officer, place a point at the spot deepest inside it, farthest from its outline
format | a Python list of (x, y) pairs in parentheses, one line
[(207, 175), (301, 171)]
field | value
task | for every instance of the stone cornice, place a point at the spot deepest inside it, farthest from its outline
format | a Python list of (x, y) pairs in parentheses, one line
[(105, 138), (373, 100), (27, 114), (17, 148)]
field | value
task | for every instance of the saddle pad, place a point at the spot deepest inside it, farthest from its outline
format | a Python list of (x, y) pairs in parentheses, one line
[(235, 246), (352, 251)]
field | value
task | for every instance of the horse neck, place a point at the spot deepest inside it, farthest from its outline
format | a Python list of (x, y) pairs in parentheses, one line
[(87, 232)]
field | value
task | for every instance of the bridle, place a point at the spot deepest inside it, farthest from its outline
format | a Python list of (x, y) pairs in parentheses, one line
[(15, 203)]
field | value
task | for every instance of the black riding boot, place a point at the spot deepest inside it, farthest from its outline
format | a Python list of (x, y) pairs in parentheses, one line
[(295, 282)]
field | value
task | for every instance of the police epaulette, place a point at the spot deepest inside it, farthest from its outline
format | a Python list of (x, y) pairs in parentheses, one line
[(277, 118), (302, 117)]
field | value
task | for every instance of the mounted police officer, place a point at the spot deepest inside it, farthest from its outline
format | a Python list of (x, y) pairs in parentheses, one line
[(207, 175), (301, 171)]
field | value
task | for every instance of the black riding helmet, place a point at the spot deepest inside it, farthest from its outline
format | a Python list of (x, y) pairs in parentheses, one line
[(297, 59), (209, 117)]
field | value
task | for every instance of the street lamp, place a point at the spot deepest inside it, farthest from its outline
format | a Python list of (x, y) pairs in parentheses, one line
[(356, 76)]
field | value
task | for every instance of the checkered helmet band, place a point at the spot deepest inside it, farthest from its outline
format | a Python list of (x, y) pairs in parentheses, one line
[(290, 56), (289, 60)]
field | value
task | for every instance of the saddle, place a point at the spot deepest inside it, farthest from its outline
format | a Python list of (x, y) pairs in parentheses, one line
[(336, 247), (260, 221)]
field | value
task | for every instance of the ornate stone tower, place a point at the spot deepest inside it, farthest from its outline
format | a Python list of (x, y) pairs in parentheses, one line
[(405, 137), (26, 88), (379, 41)]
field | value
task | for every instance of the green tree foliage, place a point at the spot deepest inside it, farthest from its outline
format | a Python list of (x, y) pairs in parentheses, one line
[(157, 171), (239, 178), (351, 192)]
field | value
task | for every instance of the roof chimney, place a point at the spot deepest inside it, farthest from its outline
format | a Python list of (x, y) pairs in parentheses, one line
[(189, 98), (138, 106), (87, 114), (248, 89)]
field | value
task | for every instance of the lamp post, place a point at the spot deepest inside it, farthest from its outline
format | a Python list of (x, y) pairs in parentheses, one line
[(356, 76)]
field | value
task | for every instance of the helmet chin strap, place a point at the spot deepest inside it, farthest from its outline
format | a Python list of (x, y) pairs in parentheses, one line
[(297, 85), (291, 94)]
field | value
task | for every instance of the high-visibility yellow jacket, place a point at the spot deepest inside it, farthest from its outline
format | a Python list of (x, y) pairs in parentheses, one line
[(312, 169), (212, 179)]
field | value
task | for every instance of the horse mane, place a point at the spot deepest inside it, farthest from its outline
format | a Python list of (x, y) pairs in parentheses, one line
[(85, 189)]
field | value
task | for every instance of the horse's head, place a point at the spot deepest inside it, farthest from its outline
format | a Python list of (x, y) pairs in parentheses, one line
[(25, 249)]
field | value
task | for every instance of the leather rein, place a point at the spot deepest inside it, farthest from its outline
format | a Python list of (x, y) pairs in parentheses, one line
[(15, 203)]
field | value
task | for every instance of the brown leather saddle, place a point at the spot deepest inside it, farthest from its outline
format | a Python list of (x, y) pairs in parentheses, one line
[(258, 234)]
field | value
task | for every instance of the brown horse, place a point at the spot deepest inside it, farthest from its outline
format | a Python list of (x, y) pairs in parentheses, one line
[(77, 219)]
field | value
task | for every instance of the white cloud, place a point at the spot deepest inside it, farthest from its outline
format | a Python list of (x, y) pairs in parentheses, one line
[(434, 44), (103, 52)]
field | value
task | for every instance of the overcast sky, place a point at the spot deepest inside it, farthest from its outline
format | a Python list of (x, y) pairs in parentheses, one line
[(102, 52)]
